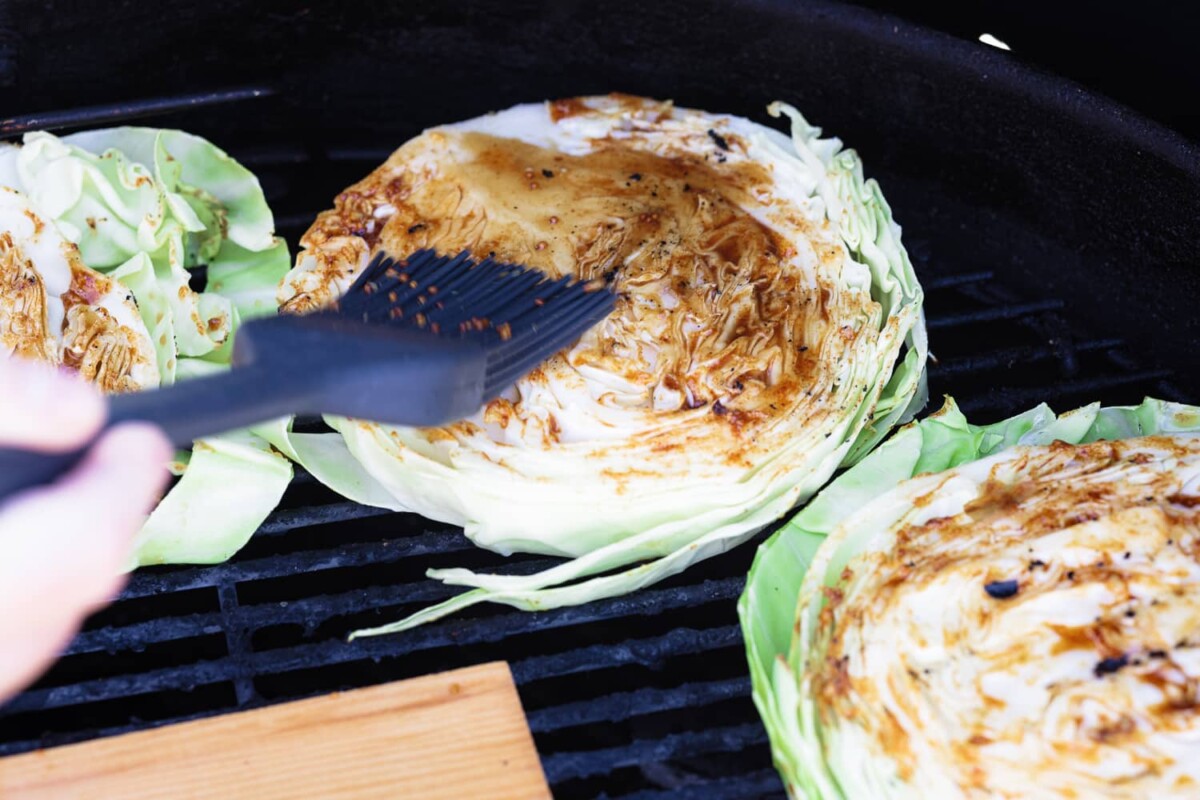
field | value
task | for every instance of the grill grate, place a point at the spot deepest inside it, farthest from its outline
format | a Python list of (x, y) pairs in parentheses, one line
[(644, 696)]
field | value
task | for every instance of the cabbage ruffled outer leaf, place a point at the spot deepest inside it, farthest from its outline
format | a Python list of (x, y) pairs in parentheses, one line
[(145, 206), (771, 609), (229, 486), (678, 525), (329, 460)]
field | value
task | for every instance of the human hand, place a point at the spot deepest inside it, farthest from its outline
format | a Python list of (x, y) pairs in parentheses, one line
[(63, 547)]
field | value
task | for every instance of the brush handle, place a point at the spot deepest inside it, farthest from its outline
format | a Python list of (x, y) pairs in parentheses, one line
[(223, 402), (188, 411), (285, 365)]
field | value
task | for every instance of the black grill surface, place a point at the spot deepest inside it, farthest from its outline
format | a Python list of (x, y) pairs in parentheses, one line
[(645, 696)]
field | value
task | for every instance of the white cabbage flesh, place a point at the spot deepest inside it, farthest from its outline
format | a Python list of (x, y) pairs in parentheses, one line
[(999, 611), (769, 330), (55, 309)]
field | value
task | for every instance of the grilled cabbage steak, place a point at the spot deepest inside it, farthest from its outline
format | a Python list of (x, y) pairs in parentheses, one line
[(99, 232), (768, 329), (999, 611)]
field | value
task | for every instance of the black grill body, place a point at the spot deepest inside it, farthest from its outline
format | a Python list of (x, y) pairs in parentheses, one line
[(1053, 231)]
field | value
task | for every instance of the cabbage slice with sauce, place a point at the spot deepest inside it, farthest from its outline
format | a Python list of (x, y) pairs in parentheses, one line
[(769, 329), (138, 209), (1006, 610)]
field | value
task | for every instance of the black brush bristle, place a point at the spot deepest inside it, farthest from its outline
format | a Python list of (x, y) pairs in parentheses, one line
[(480, 298), (521, 316), (536, 343)]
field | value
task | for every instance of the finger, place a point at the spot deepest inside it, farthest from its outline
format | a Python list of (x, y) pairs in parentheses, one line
[(28, 652), (112, 490), (66, 545), (42, 408), (70, 541)]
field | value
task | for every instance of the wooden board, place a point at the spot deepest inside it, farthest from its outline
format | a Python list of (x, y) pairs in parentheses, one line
[(452, 735)]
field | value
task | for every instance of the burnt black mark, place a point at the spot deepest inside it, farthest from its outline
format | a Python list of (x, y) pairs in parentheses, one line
[(1108, 666), (1002, 590), (420, 226), (718, 139)]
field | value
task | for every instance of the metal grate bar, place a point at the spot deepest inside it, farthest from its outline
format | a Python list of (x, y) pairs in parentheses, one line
[(762, 783), (1010, 356), (730, 739), (138, 635), (278, 566), (1023, 396), (626, 705), (290, 519), (8, 748), (237, 643), (274, 155), (954, 281), (310, 611), (120, 112), (305, 611), (648, 652), (371, 154), (295, 221), (994, 313), (1170, 390)]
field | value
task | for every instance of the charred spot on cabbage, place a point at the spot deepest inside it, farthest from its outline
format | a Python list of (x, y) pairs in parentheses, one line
[(1002, 590), (1108, 666)]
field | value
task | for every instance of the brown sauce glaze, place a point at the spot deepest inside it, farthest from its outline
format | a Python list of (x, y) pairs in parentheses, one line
[(23, 312), (703, 284), (99, 348)]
